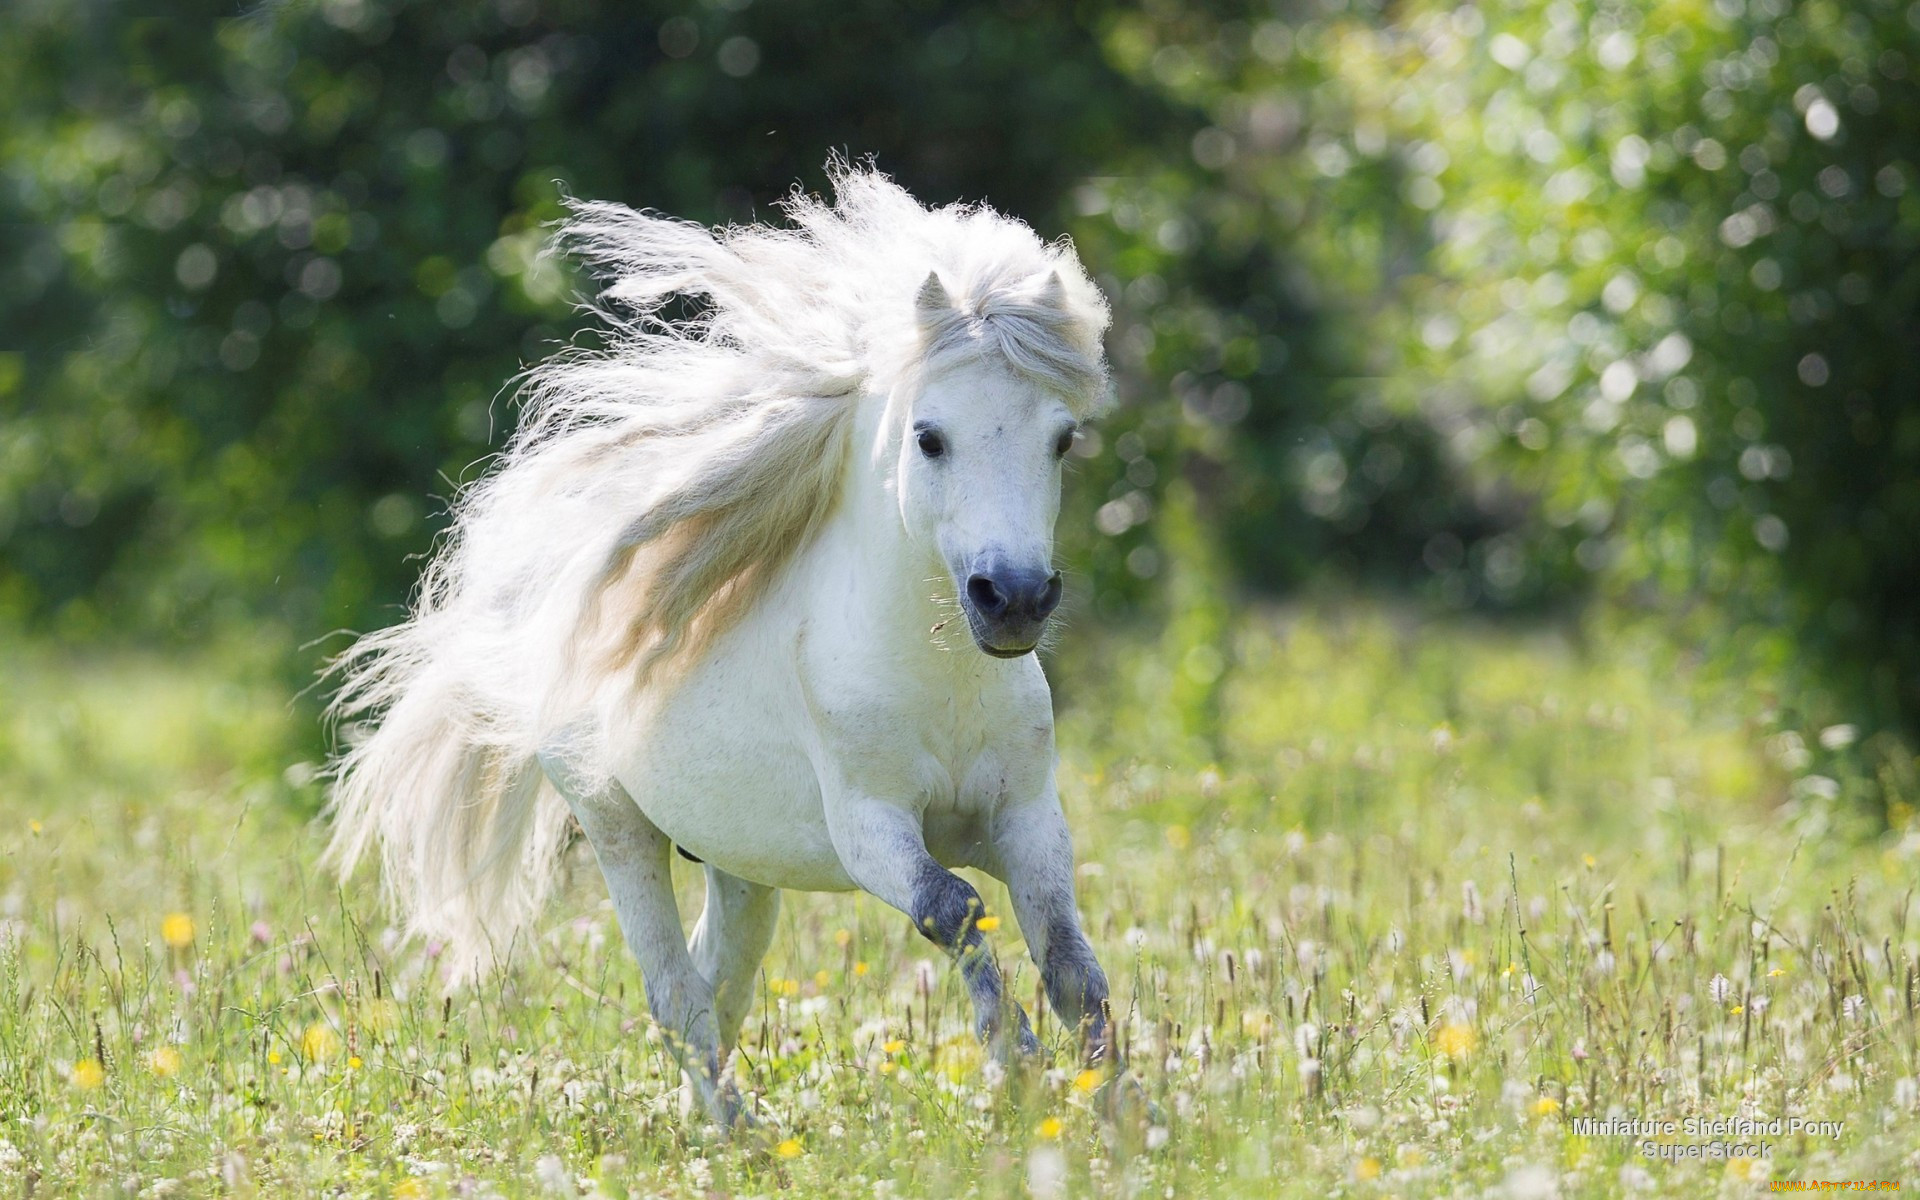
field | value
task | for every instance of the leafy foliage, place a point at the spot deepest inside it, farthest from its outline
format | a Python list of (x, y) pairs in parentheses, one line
[(1651, 273)]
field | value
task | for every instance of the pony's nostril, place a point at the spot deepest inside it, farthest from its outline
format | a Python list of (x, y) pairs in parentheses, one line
[(987, 597), (1049, 597)]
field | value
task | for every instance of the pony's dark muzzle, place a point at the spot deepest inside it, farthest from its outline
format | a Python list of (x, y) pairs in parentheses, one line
[(1007, 607)]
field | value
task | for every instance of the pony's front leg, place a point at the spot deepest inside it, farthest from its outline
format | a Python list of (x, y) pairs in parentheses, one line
[(1033, 854), (884, 851), (635, 858)]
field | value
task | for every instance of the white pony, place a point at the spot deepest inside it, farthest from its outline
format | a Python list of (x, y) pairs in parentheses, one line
[(712, 596)]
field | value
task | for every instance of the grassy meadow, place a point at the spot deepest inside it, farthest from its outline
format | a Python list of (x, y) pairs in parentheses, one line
[(1387, 907)]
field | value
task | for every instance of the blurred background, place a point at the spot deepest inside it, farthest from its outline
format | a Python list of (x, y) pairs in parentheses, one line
[(1536, 313)]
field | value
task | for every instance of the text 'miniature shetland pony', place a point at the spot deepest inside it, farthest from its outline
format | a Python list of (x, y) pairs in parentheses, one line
[(709, 598)]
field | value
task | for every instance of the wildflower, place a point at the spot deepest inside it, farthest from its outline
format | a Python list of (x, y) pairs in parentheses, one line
[(87, 1074), (843, 938), (1367, 1170), (821, 979), (1545, 1106), (1086, 1081), (1046, 1173), (1456, 1041), (410, 1189), (1719, 987), (987, 924), (784, 987), (1589, 860), (273, 1056), (353, 1062), (164, 1062), (34, 828), (551, 1171), (1050, 1128), (791, 1148), (319, 1042), (1776, 973), (894, 1047), (176, 930), (860, 968)]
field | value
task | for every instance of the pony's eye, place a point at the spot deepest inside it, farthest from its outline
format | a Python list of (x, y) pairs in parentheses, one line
[(932, 444), (1063, 444)]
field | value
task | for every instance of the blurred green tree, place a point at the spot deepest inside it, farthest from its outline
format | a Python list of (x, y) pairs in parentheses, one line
[(1648, 272)]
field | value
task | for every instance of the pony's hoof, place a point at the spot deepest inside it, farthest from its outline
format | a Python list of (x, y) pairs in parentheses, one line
[(1012, 1049), (1123, 1102), (733, 1113)]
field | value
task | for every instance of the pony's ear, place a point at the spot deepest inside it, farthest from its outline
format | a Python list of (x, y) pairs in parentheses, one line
[(932, 297), (1053, 293)]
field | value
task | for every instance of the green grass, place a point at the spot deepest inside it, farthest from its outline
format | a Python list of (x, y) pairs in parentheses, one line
[(1386, 907)]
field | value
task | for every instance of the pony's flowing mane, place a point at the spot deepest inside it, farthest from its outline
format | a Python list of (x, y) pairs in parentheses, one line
[(655, 489)]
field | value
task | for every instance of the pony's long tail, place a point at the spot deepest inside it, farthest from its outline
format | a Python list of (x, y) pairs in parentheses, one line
[(468, 830)]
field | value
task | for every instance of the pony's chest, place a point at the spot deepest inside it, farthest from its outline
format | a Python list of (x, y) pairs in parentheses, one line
[(951, 750)]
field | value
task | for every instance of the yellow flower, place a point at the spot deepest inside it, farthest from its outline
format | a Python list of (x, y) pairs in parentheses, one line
[(34, 826), (1179, 837), (894, 1047), (319, 1042), (409, 1189), (1086, 1081), (1050, 1128), (1736, 1010), (859, 968), (164, 1061), (273, 1056), (791, 1148), (1455, 1040), (87, 1075), (1545, 1106), (987, 924), (176, 930), (784, 987), (1776, 973), (843, 938), (821, 979), (1367, 1169), (353, 1062), (1589, 860)]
